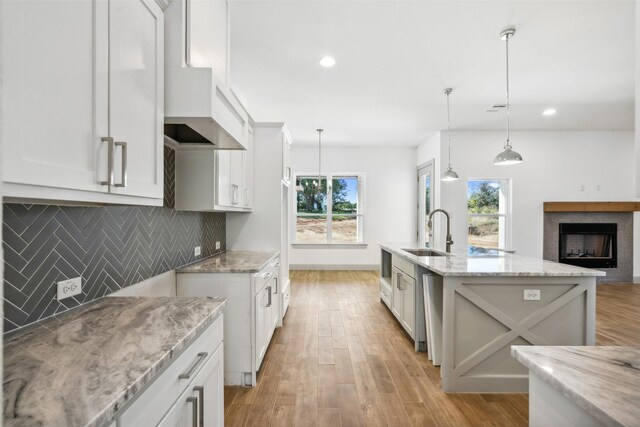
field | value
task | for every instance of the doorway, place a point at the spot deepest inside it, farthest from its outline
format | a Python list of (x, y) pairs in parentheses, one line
[(425, 199)]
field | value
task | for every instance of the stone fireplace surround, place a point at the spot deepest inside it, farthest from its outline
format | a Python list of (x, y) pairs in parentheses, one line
[(624, 219)]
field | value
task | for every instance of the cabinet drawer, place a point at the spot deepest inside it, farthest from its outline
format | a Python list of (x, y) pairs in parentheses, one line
[(150, 406), (407, 267), (385, 294), (262, 277)]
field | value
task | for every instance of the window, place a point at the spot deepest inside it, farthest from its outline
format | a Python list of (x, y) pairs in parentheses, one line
[(488, 212), (332, 215)]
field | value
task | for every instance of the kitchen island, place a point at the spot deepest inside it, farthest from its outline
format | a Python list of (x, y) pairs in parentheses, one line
[(582, 386), (481, 302)]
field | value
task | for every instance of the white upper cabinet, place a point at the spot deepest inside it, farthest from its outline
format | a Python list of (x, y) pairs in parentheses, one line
[(54, 105), (207, 43), (247, 172), (211, 180), (197, 92), (75, 74), (286, 156), (136, 95)]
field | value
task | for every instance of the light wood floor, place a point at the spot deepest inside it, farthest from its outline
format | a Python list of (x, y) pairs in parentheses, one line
[(342, 359)]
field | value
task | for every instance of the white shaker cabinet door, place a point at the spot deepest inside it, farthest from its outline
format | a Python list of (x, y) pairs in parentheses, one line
[(225, 188), (202, 404), (136, 96), (55, 93), (408, 305)]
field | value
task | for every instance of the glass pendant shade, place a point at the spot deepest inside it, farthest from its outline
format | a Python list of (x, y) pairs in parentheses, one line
[(507, 157), (449, 175)]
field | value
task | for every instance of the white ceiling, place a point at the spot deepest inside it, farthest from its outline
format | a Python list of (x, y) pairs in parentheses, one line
[(394, 58)]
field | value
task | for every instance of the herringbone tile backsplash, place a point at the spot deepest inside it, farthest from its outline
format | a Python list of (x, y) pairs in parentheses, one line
[(110, 247)]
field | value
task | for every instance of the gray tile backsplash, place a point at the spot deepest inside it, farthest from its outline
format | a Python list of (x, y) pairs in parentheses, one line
[(109, 247)]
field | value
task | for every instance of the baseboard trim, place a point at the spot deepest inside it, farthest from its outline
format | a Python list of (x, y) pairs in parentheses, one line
[(334, 267)]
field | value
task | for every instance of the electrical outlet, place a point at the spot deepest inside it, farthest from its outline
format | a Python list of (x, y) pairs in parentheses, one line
[(532, 294), (217, 245), (196, 251), (69, 288)]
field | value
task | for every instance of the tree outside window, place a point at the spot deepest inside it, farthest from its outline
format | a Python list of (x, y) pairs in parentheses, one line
[(487, 209), (329, 215)]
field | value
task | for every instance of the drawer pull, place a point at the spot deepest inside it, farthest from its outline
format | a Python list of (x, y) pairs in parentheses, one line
[(269, 293), (201, 357), (194, 414), (266, 275), (200, 390)]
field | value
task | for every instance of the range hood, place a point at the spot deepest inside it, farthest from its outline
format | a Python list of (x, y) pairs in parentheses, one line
[(199, 107)]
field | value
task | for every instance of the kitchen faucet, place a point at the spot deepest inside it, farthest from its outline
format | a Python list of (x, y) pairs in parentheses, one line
[(430, 225)]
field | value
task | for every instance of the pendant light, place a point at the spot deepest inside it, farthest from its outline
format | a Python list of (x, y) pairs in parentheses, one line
[(449, 174), (319, 185), (508, 156)]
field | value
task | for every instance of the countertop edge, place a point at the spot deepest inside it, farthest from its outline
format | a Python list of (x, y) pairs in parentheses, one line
[(519, 353), (187, 268), (119, 402), (416, 259)]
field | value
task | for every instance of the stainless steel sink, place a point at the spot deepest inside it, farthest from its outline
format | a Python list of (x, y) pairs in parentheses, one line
[(424, 252)]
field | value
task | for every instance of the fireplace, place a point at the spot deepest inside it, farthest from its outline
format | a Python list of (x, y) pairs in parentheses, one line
[(591, 245)]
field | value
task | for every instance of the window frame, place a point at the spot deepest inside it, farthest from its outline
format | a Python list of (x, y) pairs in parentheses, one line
[(360, 215), (507, 214)]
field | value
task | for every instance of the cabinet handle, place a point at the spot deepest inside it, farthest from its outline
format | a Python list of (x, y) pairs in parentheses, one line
[(399, 285), (234, 194), (266, 275), (276, 291), (109, 141), (123, 182), (194, 402), (269, 300), (187, 375), (200, 390)]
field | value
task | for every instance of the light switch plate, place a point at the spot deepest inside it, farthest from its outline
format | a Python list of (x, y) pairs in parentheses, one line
[(196, 251), (532, 294), (69, 288), (217, 245)]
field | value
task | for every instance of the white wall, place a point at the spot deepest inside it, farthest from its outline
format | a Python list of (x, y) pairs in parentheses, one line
[(390, 196), (556, 166)]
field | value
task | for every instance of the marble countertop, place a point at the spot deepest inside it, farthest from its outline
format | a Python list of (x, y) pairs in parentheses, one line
[(79, 368), (603, 381), (460, 263), (232, 262)]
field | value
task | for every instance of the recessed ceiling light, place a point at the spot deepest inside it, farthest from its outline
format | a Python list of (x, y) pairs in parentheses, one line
[(327, 61), (549, 112)]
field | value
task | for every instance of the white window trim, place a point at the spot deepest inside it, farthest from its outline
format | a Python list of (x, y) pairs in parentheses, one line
[(362, 207), (507, 215)]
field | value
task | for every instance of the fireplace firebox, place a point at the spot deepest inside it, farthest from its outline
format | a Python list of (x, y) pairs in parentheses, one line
[(588, 245)]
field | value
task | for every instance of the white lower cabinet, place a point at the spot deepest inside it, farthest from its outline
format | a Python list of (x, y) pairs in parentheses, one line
[(266, 318), (202, 404), (403, 299), (188, 392), (251, 315)]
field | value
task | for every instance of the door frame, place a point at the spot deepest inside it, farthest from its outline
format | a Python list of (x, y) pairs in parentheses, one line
[(420, 228)]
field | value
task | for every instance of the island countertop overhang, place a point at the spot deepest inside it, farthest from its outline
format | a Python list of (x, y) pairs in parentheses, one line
[(460, 263)]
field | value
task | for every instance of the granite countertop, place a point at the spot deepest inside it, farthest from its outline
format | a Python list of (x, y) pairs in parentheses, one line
[(603, 381), (488, 263), (80, 367), (232, 262)]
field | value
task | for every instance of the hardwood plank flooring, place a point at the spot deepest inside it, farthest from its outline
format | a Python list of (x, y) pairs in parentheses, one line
[(341, 358)]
